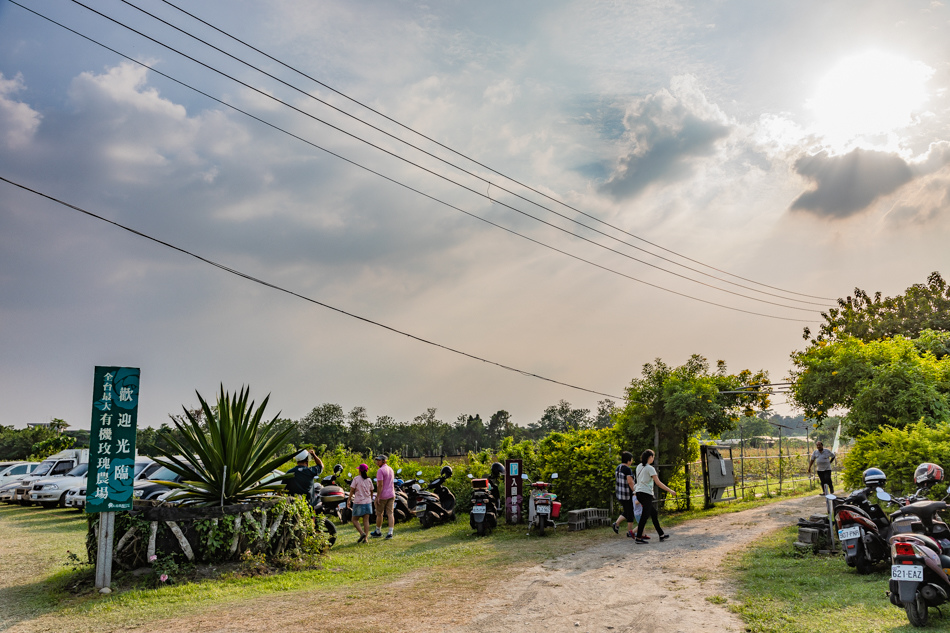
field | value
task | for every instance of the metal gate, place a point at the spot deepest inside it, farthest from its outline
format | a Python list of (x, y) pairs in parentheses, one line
[(718, 473)]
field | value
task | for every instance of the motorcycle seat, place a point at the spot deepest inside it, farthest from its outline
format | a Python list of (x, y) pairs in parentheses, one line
[(924, 510)]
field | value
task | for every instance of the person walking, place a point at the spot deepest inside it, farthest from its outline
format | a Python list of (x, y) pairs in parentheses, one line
[(385, 496), (646, 479), (625, 484), (303, 474), (822, 457), (361, 501)]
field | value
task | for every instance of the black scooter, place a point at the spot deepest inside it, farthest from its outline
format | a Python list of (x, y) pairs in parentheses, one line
[(328, 499), (486, 501), (436, 504), (863, 530)]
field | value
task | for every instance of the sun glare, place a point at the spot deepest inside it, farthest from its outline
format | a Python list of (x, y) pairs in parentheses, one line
[(873, 94)]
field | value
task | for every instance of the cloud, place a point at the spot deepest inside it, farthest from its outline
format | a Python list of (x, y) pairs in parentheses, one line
[(667, 131), (18, 121), (847, 184)]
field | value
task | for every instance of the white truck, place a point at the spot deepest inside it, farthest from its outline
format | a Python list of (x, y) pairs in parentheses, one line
[(53, 466)]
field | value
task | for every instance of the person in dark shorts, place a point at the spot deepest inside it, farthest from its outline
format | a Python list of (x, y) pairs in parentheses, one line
[(822, 458), (624, 485), (303, 474)]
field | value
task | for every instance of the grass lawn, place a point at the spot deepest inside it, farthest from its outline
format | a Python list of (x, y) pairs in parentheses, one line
[(781, 591), (36, 583)]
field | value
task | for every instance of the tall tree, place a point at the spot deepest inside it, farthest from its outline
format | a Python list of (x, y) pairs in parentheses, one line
[(896, 381), (324, 425), (921, 307), (668, 406)]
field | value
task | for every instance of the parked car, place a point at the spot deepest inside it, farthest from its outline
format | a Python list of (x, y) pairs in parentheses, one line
[(50, 492), (152, 488), (8, 491), (12, 471), (55, 465), (75, 497)]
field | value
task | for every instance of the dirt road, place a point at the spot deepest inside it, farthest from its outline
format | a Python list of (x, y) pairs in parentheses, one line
[(616, 587), (624, 587)]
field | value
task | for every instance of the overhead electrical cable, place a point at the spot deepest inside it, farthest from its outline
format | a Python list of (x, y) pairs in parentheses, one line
[(396, 182), (426, 169), (459, 167), (476, 162), (300, 296)]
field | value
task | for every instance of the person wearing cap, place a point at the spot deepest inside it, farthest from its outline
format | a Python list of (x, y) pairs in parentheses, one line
[(303, 474), (385, 496), (361, 501)]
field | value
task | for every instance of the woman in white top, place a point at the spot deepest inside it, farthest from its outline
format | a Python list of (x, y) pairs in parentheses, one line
[(646, 478)]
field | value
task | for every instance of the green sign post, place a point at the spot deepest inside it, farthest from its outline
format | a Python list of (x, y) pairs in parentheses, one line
[(115, 407)]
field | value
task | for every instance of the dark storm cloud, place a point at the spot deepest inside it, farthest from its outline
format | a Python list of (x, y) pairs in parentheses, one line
[(668, 132), (845, 185)]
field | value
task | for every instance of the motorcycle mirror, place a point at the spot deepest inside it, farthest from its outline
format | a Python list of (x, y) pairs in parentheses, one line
[(422, 481), (399, 471), (553, 475), (882, 495), (418, 472), (524, 476), (349, 474), (470, 476), (829, 497), (374, 479)]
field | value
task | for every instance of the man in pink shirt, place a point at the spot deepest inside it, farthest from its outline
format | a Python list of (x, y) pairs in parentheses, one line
[(385, 496)]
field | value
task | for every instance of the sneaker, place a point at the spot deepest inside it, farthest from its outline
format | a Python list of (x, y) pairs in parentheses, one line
[(640, 541), (389, 536), (361, 539), (375, 533), (663, 537), (616, 529), (646, 537)]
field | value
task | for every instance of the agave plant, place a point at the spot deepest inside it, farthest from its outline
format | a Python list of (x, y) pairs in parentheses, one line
[(231, 461)]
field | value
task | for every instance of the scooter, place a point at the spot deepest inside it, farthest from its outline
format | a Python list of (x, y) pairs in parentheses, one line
[(918, 574), (486, 500), (484, 515), (920, 544), (328, 499), (542, 507), (863, 528), (436, 504)]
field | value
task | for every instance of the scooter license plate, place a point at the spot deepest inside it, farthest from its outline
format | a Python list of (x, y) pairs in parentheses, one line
[(907, 572), (849, 532), (479, 509), (419, 508), (543, 509)]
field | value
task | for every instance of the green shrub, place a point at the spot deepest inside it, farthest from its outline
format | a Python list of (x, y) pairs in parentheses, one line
[(585, 462), (898, 452)]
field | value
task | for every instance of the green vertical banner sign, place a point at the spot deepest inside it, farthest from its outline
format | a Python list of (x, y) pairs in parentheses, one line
[(115, 407)]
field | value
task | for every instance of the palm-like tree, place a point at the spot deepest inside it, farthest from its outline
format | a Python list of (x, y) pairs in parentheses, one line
[(229, 461)]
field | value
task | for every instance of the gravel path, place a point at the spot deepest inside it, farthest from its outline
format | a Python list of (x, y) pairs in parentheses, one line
[(623, 587)]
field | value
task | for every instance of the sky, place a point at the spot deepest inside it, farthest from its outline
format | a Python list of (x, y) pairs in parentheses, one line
[(738, 166)]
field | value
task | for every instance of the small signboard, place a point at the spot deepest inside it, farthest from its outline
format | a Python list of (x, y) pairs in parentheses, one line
[(513, 490), (115, 406)]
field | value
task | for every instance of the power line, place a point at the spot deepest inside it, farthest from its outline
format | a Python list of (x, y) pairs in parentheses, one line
[(396, 182), (300, 296), (457, 153), (426, 169), (458, 167)]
